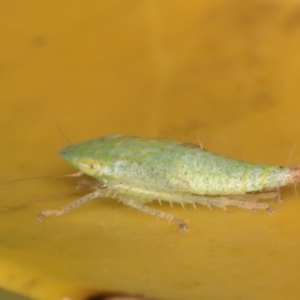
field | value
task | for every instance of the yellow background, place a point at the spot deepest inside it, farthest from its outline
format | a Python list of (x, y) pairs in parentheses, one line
[(226, 72)]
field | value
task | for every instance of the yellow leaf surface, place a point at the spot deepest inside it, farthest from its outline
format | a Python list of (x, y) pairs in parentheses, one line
[(224, 72)]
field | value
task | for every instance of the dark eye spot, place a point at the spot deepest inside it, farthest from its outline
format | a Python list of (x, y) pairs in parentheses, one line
[(94, 167)]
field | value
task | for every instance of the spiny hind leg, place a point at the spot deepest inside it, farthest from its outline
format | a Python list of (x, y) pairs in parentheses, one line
[(247, 201), (148, 210), (256, 196), (97, 193), (223, 202)]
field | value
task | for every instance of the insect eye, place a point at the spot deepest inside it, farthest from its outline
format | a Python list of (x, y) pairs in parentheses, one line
[(84, 165), (89, 166)]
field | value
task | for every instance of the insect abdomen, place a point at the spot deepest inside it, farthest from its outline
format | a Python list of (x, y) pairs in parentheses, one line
[(211, 174)]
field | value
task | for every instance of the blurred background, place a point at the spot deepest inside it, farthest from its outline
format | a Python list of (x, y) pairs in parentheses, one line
[(222, 72)]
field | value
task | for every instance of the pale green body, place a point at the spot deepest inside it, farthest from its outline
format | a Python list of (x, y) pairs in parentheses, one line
[(136, 170), (132, 165)]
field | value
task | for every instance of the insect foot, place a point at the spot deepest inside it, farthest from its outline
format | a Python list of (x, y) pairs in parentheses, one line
[(183, 227), (46, 213)]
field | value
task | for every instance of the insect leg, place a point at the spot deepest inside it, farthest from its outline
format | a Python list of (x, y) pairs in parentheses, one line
[(77, 174), (181, 224), (247, 201), (223, 202), (88, 182), (256, 196), (72, 205)]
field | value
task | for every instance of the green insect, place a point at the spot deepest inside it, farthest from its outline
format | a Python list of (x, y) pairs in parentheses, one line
[(137, 170)]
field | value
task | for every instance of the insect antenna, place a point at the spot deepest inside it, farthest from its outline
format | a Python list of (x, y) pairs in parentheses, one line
[(77, 174), (291, 154), (62, 133), (199, 142)]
